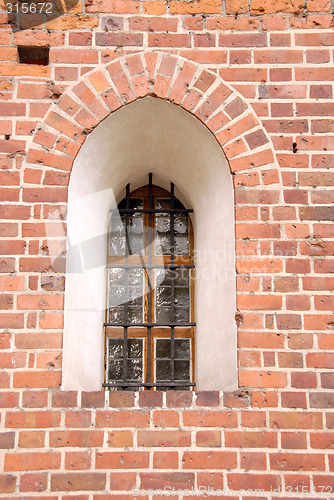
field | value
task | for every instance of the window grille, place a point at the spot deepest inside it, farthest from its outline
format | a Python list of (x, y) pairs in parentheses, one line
[(150, 300)]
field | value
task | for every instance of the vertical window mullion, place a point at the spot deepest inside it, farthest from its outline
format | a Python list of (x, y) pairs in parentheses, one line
[(126, 306), (149, 272), (172, 289)]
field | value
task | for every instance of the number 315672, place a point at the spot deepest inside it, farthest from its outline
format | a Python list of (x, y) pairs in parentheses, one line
[(29, 8)]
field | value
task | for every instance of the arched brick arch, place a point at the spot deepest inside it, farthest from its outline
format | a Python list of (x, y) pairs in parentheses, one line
[(197, 90), (222, 110)]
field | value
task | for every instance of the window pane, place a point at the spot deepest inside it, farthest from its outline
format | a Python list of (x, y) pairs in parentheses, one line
[(163, 227), (134, 362), (134, 237), (125, 298), (163, 349), (182, 358), (182, 349), (163, 370), (167, 296), (115, 370), (181, 370)]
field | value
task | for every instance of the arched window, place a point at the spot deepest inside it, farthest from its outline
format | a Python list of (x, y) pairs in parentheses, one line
[(149, 328)]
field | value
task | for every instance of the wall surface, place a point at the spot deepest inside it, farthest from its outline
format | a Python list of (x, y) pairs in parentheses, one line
[(259, 75)]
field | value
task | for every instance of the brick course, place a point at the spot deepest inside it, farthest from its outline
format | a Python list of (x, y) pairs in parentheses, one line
[(259, 75)]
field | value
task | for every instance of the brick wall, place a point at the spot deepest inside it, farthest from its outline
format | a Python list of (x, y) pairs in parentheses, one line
[(259, 74)]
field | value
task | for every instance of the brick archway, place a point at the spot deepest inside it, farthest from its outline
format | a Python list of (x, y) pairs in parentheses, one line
[(202, 92), (222, 110)]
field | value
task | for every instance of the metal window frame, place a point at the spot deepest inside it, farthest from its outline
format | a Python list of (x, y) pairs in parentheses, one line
[(149, 324)]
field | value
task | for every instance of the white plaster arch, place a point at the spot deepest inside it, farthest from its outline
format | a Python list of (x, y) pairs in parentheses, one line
[(151, 135)]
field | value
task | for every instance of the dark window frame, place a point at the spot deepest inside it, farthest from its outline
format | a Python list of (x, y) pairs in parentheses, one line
[(149, 330)]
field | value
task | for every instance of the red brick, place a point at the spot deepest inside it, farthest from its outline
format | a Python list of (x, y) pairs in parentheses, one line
[(249, 439), (122, 418), (150, 399), (122, 481), (78, 419), (36, 379), (266, 482), (7, 440), (165, 460), (32, 461), (33, 482), (295, 420), (122, 460), (78, 481), (209, 418), (176, 399), (165, 418), (322, 400), (209, 460), (297, 461), (120, 439), (31, 439), (7, 484), (164, 438), (293, 440), (208, 439)]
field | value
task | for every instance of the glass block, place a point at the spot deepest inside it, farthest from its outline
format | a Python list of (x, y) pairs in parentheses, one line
[(163, 315), (115, 348), (117, 295), (135, 348), (134, 369), (115, 369), (163, 296), (162, 348), (181, 297), (181, 370), (162, 244), (181, 349), (181, 315), (163, 370), (162, 223), (126, 291), (181, 224), (116, 315), (181, 276), (116, 276), (181, 245), (162, 203), (135, 293), (136, 244), (135, 224), (135, 315), (135, 276), (117, 235)]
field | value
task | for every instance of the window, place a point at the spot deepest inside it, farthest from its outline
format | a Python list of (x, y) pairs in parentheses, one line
[(149, 328)]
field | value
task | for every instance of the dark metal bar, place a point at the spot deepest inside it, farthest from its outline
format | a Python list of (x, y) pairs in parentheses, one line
[(172, 288), (126, 307), (152, 266), (149, 325), (125, 353), (152, 210), (149, 384), (149, 276)]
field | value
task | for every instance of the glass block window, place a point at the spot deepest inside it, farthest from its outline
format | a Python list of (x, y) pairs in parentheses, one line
[(149, 315)]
